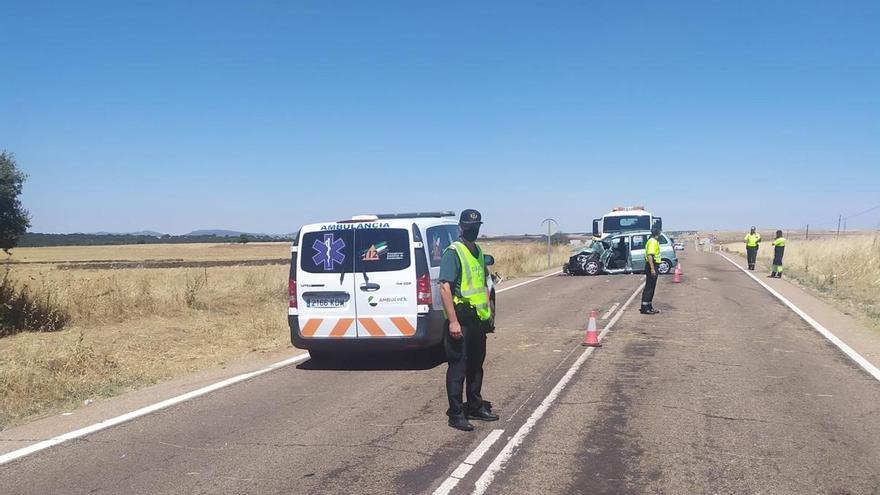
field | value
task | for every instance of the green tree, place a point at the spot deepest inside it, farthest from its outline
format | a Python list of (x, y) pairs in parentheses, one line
[(14, 220), (244, 239)]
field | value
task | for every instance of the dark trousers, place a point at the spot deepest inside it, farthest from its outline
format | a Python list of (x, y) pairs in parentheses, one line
[(650, 285), (752, 255), (465, 357)]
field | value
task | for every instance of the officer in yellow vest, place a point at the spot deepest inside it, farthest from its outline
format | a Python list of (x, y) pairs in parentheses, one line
[(752, 240), (652, 261), (465, 296), (778, 251)]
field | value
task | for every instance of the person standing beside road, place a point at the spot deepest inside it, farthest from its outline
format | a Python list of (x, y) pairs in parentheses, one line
[(752, 240), (465, 296), (778, 251), (652, 259)]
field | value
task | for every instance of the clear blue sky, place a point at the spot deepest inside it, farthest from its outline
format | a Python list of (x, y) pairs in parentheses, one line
[(261, 116)]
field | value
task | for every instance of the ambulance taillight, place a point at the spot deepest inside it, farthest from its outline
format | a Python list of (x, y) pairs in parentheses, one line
[(423, 290), (291, 291)]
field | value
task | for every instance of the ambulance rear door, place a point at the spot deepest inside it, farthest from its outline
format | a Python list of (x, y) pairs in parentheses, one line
[(385, 281), (326, 283)]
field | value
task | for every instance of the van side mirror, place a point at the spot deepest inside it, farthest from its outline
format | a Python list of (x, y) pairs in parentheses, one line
[(658, 222), (489, 259), (595, 227)]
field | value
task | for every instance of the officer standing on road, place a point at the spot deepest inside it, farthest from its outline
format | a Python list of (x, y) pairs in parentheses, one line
[(652, 260), (465, 296), (778, 251), (752, 239)]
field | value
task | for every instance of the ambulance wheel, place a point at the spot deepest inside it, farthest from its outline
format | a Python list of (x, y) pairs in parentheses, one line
[(664, 267)]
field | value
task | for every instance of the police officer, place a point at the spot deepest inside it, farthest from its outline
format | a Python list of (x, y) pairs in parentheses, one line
[(752, 239), (778, 251), (465, 296), (652, 260)]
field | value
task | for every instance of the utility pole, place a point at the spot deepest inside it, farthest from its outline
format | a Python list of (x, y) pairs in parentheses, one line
[(807, 235), (549, 221), (839, 218)]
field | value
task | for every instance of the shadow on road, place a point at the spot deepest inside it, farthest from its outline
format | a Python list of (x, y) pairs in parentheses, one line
[(375, 361)]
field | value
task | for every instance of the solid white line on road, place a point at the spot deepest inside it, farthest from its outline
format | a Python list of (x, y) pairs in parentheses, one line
[(849, 351), (30, 449), (507, 452), (608, 313), (499, 291), (45, 444)]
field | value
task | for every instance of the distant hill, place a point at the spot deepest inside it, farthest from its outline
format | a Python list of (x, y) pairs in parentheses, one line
[(219, 233), (34, 239)]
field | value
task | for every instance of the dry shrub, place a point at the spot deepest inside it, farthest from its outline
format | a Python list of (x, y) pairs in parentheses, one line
[(25, 310), (515, 259)]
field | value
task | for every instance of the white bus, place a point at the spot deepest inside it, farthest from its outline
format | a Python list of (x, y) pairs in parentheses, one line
[(624, 219)]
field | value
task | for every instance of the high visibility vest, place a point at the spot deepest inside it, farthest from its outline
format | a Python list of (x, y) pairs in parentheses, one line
[(474, 291), (752, 240), (652, 248), (779, 242)]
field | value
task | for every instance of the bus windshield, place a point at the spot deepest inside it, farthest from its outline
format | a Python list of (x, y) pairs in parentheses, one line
[(626, 223)]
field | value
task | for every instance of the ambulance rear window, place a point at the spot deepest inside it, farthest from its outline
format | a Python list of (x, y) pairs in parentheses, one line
[(439, 238), (382, 250), (327, 251)]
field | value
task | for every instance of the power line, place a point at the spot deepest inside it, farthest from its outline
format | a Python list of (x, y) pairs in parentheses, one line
[(863, 212)]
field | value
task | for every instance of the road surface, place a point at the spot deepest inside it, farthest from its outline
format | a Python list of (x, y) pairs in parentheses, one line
[(726, 391)]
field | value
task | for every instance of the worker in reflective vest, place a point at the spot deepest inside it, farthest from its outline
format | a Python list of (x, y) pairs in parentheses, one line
[(752, 240), (652, 261), (778, 251), (465, 296)]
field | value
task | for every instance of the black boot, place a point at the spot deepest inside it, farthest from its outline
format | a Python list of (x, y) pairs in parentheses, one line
[(460, 423), (482, 414)]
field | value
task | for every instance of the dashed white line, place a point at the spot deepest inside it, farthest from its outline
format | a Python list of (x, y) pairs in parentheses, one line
[(507, 452), (608, 313), (849, 351), (465, 467)]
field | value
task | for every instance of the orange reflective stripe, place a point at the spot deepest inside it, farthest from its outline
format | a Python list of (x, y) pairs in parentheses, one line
[(341, 327), (404, 326), (371, 327), (311, 327)]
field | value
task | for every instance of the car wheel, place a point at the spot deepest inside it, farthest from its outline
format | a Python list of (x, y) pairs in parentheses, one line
[(592, 267), (664, 267)]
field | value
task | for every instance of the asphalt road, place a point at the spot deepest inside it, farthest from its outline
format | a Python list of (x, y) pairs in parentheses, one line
[(726, 391)]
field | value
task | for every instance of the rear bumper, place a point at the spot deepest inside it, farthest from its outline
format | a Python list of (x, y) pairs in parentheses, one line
[(429, 333)]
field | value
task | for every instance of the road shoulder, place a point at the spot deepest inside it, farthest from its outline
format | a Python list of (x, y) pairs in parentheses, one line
[(848, 328)]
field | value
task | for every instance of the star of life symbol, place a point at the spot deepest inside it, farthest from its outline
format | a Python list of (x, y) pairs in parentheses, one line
[(329, 251)]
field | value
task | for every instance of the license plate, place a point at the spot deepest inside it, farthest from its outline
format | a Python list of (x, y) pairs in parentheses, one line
[(325, 302)]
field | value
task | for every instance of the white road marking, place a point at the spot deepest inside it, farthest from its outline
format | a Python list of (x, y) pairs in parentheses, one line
[(507, 452), (608, 313), (499, 291), (108, 423), (45, 444), (849, 351), (465, 467)]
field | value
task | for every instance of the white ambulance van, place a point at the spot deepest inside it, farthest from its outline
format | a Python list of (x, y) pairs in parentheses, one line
[(370, 283)]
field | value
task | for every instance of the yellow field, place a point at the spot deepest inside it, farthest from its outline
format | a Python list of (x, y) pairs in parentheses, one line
[(845, 269), (137, 326)]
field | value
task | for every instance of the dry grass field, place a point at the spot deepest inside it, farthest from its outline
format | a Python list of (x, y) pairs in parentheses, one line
[(133, 327), (846, 270)]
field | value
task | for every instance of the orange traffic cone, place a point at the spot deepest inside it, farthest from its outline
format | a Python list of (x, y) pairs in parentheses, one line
[(592, 337), (676, 277)]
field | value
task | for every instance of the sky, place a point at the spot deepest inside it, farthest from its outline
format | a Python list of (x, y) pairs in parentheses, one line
[(263, 116)]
